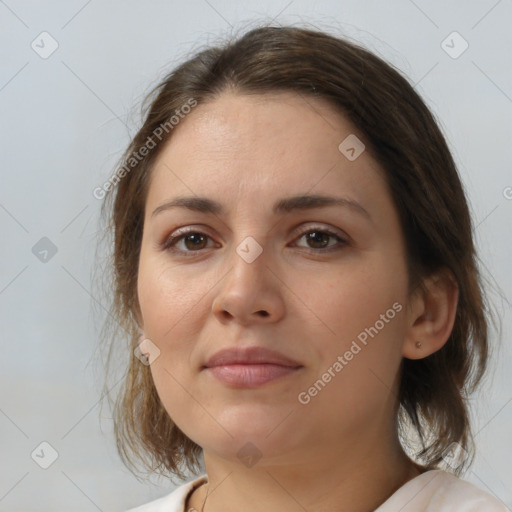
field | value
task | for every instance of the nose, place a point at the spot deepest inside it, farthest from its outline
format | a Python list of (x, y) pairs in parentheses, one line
[(250, 292)]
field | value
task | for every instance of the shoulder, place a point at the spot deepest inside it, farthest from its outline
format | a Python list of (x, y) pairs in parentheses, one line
[(173, 502), (453, 491), (440, 491)]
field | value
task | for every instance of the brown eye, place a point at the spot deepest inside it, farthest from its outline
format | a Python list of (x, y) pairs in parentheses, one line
[(192, 241), (318, 240)]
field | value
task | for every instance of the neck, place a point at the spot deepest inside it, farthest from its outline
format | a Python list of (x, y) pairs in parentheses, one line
[(333, 482)]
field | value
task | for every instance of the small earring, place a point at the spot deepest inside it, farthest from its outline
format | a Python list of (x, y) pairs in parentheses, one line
[(418, 344)]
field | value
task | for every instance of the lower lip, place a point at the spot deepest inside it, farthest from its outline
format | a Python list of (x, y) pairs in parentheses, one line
[(250, 375)]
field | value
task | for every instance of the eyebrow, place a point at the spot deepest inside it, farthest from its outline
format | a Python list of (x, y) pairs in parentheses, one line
[(285, 205)]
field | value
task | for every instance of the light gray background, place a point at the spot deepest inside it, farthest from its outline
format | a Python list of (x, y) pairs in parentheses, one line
[(65, 121)]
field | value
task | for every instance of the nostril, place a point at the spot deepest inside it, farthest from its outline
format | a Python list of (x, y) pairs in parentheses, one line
[(263, 313)]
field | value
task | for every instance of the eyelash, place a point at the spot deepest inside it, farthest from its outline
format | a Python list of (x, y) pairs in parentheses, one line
[(170, 242)]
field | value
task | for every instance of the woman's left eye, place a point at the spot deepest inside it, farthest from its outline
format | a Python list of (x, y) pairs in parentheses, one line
[(195, 241), (320, 238)]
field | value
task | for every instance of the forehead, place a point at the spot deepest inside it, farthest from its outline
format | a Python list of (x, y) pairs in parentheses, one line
[(246, 146)]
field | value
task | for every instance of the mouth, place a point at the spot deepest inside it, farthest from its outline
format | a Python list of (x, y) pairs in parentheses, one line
[(250, 367), (250, 375)]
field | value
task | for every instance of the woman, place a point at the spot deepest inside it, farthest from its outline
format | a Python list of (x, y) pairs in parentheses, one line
[(294, 263)]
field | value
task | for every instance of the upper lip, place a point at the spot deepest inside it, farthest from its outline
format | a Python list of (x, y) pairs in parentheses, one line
[(249, 355)]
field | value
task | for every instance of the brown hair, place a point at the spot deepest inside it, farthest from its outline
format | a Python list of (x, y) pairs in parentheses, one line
[(404, 138)]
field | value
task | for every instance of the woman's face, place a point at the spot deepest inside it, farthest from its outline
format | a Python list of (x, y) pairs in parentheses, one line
[(322, 283)]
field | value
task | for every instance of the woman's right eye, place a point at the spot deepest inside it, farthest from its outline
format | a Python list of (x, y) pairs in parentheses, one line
[(192, 241)]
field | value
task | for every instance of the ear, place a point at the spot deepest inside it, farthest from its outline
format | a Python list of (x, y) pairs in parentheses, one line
[(431, 315)]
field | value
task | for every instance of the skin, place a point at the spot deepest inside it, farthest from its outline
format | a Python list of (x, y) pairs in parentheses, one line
[(341, 448)]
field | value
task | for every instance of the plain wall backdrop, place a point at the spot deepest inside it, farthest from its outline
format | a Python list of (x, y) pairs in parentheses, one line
[(72, 77)]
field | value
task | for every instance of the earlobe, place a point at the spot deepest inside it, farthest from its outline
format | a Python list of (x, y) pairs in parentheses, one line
[(431, 316)]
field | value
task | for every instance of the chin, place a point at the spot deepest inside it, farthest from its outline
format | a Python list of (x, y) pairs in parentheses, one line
[(249, 450)]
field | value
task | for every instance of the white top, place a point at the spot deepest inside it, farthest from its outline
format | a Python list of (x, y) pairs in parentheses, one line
[(432, 491)]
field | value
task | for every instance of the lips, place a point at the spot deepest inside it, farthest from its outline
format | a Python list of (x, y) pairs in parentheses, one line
[(250, 367), (249, 355)]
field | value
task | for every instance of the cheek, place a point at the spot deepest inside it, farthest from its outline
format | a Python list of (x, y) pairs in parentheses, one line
[(165, 304), (165, 297), (362, 312), (352, 300)]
